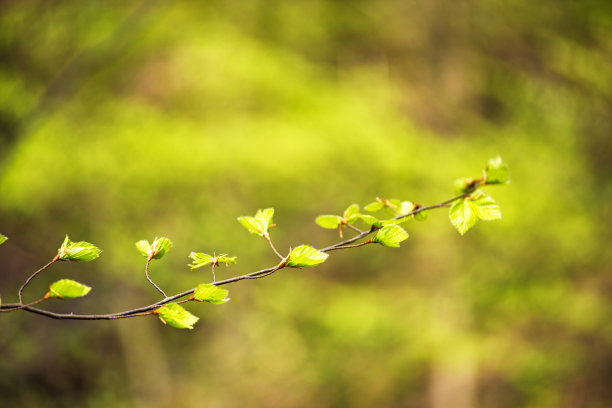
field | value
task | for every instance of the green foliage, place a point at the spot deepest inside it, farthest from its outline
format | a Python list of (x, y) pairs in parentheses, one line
[(497, 172), (201, 259), (78, 251), (67, 289), (329, 221), (260, 223), (206, 292), (465, 212), (2, 239), (370, 220), (374, 206), (351, 214), (306, 256), (390, 235), (156, 250), (463, 215), (176, 316)]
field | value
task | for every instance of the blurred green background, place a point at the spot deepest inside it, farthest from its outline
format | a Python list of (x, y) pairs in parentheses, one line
[(122, 121)]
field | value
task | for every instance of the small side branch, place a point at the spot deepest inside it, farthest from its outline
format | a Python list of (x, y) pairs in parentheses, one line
[(151, 281), (20, 293)]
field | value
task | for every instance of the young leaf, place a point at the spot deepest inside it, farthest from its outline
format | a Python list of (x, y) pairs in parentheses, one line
[(2, 239), (143, 247), (200, 259), (374, 206), (463, 184), (78, 251), (205, 292), (420, 216), (176, 316), (351, 214), (497, 172), (406, 207), (463, 215), (306, 256), (390, 235), (260, 223), (485, 207), (159, 247), (368, 219), (328, 221), (67, 289)]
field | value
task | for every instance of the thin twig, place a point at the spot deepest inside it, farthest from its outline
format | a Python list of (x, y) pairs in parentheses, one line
[(151, 281), (20, 293), (267, 237)]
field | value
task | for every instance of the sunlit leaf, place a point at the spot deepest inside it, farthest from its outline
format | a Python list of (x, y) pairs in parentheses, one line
[(351, 214), (78, 251), (421, 216), (497, 172), (176, 316), (328, 221), (207, 292), (406, 207), (463, 215), (159, 247), (2, 239), (200, 260), (67, 289), (368, 219), (485, 207), (374, 206), (306, 256), (390, 235), (260, 223), (143, 247), (463, 184)]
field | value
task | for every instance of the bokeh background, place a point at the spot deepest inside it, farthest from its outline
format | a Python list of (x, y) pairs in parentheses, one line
[(122, 121)]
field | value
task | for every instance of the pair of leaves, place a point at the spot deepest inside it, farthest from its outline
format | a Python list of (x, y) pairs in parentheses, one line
[(349, 216), (464, 213), (78, 251), (67, 289), (177, 316), (200, 259), (156, 250), (260, 223)]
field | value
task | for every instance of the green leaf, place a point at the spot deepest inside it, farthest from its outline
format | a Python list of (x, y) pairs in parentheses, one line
[(463, 184), (351, 213), (374, 206), (463, 215), (200, 259), (176, 316), (78, 251), (406, 207), (497, 172), (2, 239), (368, 219), (485, 207), (205, 292), (260, 224), (143, 247), (226, 259), (67, 289), (306, 256), (390, 235), (159, 247), (421, 216), (328, 221)]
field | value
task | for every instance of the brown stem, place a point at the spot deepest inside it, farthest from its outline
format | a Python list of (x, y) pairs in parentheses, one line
[(20, 293), (151, 281)]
